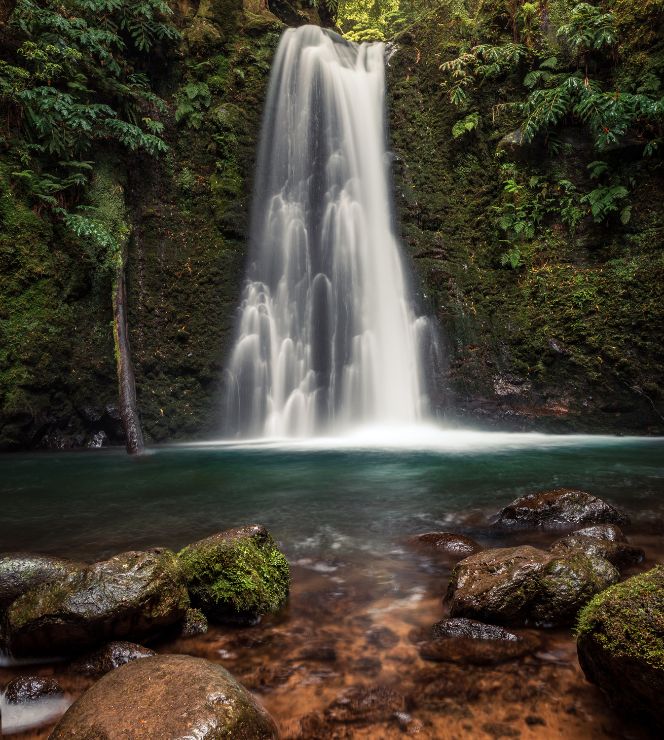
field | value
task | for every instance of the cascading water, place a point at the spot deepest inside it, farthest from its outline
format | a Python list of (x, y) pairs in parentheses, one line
[(327, 336)]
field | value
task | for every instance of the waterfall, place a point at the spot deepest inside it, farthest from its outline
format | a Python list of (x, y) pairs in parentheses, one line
[(327, 337)]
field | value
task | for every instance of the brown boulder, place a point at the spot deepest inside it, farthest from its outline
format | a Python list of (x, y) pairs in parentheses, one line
[(166, 697)]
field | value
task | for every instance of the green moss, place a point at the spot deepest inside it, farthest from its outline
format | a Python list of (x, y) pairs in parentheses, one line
[(627, 619), (233, 577), (582, 332)]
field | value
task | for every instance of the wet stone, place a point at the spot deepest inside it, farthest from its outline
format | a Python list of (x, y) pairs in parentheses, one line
[(167, 696), (32, 688), (454, 546), (472, 642), (562, 507), (609, 532), (382, 637), (620, 554), (321, 652), (364, 704), (109, 657)]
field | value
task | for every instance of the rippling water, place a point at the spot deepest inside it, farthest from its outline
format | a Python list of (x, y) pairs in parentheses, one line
[(317, 497)]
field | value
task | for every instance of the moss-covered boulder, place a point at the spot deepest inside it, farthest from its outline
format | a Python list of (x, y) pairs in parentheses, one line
[(524, 585), (21, 572), (236, 576), (134, 594), (167, 696), (621, 645)]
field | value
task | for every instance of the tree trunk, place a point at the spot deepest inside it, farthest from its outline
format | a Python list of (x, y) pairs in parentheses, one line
[(125, 368)]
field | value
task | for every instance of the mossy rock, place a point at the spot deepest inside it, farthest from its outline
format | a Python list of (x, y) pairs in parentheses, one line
[(525, 585), (131, 595), (621, 645), (236, 576)]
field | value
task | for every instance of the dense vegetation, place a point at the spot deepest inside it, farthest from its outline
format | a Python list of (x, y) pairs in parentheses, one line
[(529, 147), (542, 124)]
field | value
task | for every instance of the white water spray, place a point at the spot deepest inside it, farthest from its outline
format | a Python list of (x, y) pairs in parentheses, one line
[(327, 339)]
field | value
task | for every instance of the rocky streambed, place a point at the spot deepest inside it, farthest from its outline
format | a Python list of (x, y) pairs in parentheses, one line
[(449, 635)]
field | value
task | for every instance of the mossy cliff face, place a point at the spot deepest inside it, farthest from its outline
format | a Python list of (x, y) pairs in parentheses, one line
[(570, 339), (57, 378), (187, 257), (187, 217)]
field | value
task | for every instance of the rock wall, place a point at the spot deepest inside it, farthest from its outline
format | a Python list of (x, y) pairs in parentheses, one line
[(572, 340)]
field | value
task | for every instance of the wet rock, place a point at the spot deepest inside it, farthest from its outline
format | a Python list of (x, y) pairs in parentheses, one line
[(470, 629), (455, 546), (32, 688), (522, 585), (562, 507), (323, 653), (609, 532), (109, 657), (167, 696), (621, 645), (468, 641), (195, 623), (98, 439), (367, 666), (566, 584), (382, 637), (134, 594), (364, 704), (237, 575), (21, 572), (620, 554)]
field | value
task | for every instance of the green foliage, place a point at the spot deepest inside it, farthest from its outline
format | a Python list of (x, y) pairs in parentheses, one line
[(589, 29), (482, 62), (465, 125), (527, 204), (75, 83), (192, 101)]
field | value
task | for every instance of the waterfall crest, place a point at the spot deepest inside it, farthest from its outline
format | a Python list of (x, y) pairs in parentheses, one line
[(327, 337)]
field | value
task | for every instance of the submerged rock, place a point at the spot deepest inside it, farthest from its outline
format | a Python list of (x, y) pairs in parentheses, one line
[(562, 507), (237, 575), (366, 704), (620, 554), (521, 585), (21, 572), (32, 688), (455, 546), (621, 645), (134, 594), (468, 641), (109, 657), (167, 696)]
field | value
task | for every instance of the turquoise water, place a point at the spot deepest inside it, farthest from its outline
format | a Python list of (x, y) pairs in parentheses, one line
[(317, 500)]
